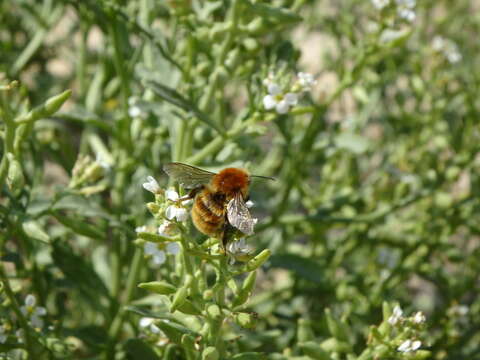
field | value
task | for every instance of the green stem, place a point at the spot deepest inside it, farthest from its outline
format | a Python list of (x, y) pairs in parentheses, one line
[(217, 143), (117, 323), (29, 341), (9, 140)]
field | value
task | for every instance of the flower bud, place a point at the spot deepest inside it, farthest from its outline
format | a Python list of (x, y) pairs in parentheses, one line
[(189, 308), (153, 208), (381, 351), (333, 345), (208, 295), (173, 331), (48, 108), (189, 345), (255, 26), (246, 320), (246, 289), (313, 350), (337, 328), (58, 347), (15, 179), (158, 287), (251, 44), (210, 353), (258, 260), (233, 58), (179, 298), (421, 354), (214, 311), (304, 330)]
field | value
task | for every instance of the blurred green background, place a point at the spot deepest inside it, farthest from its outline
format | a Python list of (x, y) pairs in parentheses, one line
[(377, 167)]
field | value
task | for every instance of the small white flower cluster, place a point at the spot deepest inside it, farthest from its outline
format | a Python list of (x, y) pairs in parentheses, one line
[(405, 8), (174, 211), (239, 249), (409, 346), (397, 316), (281, 101), (158, 256), (32, 312), (448, 48), (103, 162), (306, 81), (380, 4), (151, 185), (458, 310), (134, 110), (148, 323), (3, 334), (154, 251)]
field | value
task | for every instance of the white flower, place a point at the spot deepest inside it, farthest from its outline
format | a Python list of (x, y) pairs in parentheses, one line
[(34, 313), (249, 203), (416, 345), (462, 310), (20, 334), (3, 335), (409, 346), (172, 195), (306, 80), (149, 323), (240, 250), (103, 162), (173, 211), (140, 229), (380, 4), (390, 35), (396, 315), (453, 56), (407, 14), (173, 248), (410, 4), (151, 185), (167, 229), (134, 111), (278, 101), (438, 43), (406, 346), (458, 310), (405, 9), (36, 322), (448, 48), (158, 256), (418, 318)]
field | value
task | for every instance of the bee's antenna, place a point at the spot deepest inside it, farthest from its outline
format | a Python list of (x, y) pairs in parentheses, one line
[(263, 177)]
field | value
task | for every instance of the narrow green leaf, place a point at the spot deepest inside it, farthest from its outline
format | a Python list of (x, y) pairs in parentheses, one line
[(173, 97), (139, 350)]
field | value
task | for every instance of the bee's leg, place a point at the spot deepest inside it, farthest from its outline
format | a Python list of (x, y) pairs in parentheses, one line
[(190, 195), (228, 231)]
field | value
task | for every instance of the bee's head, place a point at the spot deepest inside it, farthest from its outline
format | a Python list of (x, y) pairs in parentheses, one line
[(231, 181)]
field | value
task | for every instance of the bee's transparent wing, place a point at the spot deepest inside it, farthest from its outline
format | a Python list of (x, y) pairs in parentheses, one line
[(239, 216), (188, 176)]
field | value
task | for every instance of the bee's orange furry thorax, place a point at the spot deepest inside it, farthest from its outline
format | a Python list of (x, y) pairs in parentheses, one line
[(230, 181)]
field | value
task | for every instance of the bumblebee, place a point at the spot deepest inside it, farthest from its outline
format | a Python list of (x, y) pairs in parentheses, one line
[(219, 207)]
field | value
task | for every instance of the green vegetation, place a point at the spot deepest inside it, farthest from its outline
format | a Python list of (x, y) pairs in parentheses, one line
[(365, 112)]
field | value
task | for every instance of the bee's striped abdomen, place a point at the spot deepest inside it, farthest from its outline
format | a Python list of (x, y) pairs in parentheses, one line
[(208, 213)]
